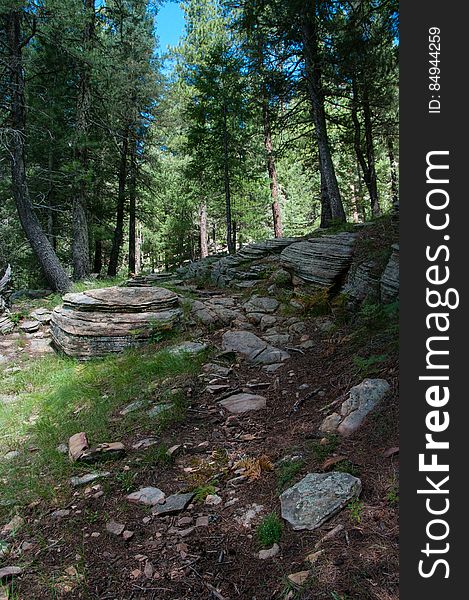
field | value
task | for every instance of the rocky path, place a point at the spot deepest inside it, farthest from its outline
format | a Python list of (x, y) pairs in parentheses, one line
[(276, 485)]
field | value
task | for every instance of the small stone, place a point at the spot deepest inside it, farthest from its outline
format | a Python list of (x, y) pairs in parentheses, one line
[(184, 521), (158, 409), (269, 553), (174, 449), (11, 455), (150, 496), (135, 574), (8, 572), (95, 534), (115, 528), (77, 444), (148, 570), (62, 448), (102, 451), (299, 578), (241, 403), (84, 479), (127, 535), (133, 406), (213, 500), (189, 348), (201, 522), (145, 443), (30, 326), (59, 514), (330, 423), (173, 504), (313, 557)]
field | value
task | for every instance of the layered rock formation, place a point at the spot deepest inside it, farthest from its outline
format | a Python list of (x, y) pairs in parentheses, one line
[(96, 322), (320, 261)]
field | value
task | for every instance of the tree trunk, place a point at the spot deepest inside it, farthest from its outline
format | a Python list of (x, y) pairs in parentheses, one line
[(50, 264), (203, 229), (370, 154), (272, 170), (366, 162), (80, 244), (98, 256), (326, 215), (316, 95), (133, 208), (393, 170), (226, 180), (118, 237)]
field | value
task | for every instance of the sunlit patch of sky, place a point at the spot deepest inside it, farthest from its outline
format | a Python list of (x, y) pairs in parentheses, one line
[(169, 25)]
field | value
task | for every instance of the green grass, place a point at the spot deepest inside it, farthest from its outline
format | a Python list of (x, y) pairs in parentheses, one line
[(201, 492), (57, 397), (286, 473), (322, 451), (269, 530), (345, 466)]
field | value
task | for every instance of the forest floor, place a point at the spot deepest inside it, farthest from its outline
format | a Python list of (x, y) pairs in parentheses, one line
[(60, 536)]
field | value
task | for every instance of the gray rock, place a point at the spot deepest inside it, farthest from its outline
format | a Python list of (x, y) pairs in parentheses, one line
[(132, 407), (320, 261), (43, 315), (115, 528), (268, 321), (101, 321), (269, 553), (241, 403), (362, 399), (30, 326), (88, 478), (174, 504), (149, 496), (318, 497), (330, 423), (157, 410), (188, 348), (252, 347), (362, 283), (261, 304), (389, 284)]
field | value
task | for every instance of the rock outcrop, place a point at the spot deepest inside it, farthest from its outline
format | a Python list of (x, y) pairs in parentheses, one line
[(320, 261), (389, 285), (101, 321)]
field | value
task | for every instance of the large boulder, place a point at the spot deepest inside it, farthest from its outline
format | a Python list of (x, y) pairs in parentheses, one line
[(97, 322), (317, 498), (320, 261)]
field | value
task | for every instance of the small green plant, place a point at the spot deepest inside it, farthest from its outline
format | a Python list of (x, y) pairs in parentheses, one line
[(203, 491), (337, 596), (269, 531), (322, 451), (356, 509), (345, 466), (393, 496), (125, 480), (287, 471), (369, 366)]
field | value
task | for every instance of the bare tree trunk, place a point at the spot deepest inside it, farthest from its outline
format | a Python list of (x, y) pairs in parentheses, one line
[(272, 170), (393, 170), (370, 154), (316, 95), (326, 214), (50, 264), (226, 179), (80, 243), (366, 162), (203, 229), (98, 256), (133, 207), (118, 237)]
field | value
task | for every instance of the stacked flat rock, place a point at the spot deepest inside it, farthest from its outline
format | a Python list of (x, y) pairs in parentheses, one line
[(320, 261), (96, 322), (390, 277)]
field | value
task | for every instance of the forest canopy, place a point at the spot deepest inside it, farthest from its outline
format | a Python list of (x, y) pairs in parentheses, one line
[(268, 118)]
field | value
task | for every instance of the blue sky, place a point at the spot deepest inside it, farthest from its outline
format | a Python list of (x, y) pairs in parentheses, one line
[(169, 25)]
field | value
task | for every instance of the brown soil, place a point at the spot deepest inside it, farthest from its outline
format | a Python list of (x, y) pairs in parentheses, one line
[(220, 561)]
